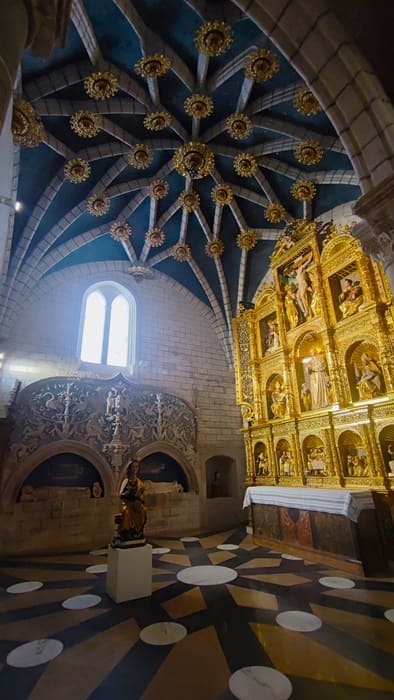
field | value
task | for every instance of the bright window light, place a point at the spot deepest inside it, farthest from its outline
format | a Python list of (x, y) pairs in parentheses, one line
[(118, 332), (93, 329)]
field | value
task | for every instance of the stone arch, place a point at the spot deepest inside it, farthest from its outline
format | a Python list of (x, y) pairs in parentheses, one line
[(317, 45), (171, 451), (34, 460)]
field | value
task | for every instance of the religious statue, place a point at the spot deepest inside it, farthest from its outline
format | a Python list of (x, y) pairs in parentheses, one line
[(285, 463), (306, 398), (369, 377), (350, 298), (291, 308), (132, 519), (319, 382), (315, 304), (278, 400), (316, 461), (302, 281), (262, 468), (272, 335)]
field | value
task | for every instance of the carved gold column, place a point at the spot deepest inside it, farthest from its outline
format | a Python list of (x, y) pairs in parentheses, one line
[(34, 24), (335, 466), (379, 465), (370, 454), (333, 368), (385, 347), (298, 461), (250, 462), (271, 457)]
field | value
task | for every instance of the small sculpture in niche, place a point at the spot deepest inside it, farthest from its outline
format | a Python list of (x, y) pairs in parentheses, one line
[(278, 400), (291, 307), (97, 490), (316, 461), (131, 521), (272, 339), (350, 298), (286, 463), (315, 304), (356, 465), (319, 381), (262, 466), (369, 377)]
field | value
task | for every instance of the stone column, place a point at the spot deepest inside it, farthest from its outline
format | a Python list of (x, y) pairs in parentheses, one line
[(34, 24), (376, 232), (6, 198)]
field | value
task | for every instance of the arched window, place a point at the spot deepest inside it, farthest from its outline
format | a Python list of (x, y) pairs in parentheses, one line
[(107, 326)]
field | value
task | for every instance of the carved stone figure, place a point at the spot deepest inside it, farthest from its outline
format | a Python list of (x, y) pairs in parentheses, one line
[(350, 298), (319, 381), (262, 467), (291, 309), (272, 335), (278, 400), (285, 463), (369, 377), (131, 521)]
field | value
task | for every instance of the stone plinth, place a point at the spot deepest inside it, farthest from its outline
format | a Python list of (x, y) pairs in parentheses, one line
[(129, 574)]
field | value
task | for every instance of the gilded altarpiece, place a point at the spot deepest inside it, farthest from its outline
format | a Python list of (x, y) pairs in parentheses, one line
[(314, 365)]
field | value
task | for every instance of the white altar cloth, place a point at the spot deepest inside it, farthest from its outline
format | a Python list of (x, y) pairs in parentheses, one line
[(337, 501)]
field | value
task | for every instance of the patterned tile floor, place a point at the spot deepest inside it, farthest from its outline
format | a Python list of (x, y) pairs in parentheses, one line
[(229, 626)]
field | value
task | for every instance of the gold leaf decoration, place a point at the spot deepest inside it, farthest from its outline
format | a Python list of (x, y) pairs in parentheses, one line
[(275, 213), (214, 248), (98, 204), (213, 38), (157, 121), (101, 85), (246, 240), (27, 128), (245, 165), (305, 102), (303, 190), (152, 66), (158, 189), (140, 156), (120, 231), (85, 124), (238, 126), (261, 65), (199, 106), (308, 152), (194, 160), (222, 194), (77, 170), (155, 237), (182, 252), (189, 200)]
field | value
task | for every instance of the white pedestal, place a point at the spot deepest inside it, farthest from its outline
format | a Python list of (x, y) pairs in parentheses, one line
[(129, 574)]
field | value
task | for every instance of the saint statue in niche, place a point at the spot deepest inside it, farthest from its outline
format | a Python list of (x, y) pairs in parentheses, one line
[(131, 521), (262, 468), (350, 298), (369, 377), (291, 308), (272, 340), (316, 461), (319, 382), (278, 400), (286, 463)]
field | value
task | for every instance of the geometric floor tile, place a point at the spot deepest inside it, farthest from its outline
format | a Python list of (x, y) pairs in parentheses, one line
[(249, 598), (97, 569), (24, 587), (34, 653), (163, 633), (260, 563), (389, 614), (297, 654), (298, 621), (279, 579), (81, 602), (186, 603), (206, 575), (336, 582), (220, 557), (180, 559), (372, 630), (260, 683)]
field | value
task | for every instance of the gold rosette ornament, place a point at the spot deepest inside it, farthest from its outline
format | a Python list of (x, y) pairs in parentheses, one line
[(213, 38), (246, 240), (182, 252), (275, 213), (101, 86), (86, 124), (222, 194), (140, 156), (155, 237), (98, 204), (194, 160), (77, 170), (157, 121), (120, 231), (245, 165), (261, 65), (308, 152), (199, 106), (158, 189), (305, 102), (303, 190), (214, 248), (152, 66), (27, 128), (238, 125), (189, 200)]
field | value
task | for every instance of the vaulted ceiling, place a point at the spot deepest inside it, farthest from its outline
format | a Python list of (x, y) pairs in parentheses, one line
[(220, 252)]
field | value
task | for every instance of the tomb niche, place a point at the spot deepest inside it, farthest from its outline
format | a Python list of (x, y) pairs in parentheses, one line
[(314, 359)]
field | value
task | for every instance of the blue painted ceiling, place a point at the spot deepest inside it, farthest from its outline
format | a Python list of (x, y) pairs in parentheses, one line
[(173, 25)]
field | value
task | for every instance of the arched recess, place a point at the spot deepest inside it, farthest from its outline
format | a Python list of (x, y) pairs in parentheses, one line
[(16, 480), (171, 451), (314, 41)]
